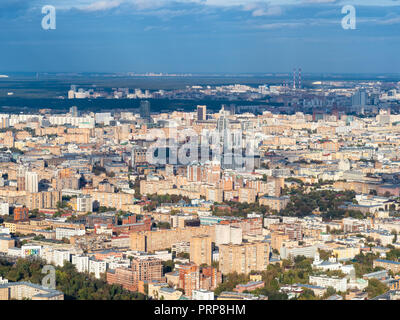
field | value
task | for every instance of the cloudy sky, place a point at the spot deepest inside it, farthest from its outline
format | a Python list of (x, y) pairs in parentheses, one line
[(232, 36)]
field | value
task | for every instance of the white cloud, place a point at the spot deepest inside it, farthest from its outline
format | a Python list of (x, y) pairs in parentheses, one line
[(102, 5), (271, 11), (280, 25)]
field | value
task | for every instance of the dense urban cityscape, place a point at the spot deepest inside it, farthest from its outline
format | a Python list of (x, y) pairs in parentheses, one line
[(296, 201), (186, 159)]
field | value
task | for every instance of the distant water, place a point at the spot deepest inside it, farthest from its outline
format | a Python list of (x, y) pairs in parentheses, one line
[(17, 105)]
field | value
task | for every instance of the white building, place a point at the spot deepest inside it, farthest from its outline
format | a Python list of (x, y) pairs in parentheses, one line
[(202, 295), (31, 182), (225, 234), (331, 265), (103, 117), (86, 121), (307, 251), (84, 203), (68, 232), (163, 255), (97, 267), (339, 284), (113, 263), (81, 263), (4, 230), (14, 252), (4, 209), (60, 256), (56, 257), (30, 251), (3, 281)]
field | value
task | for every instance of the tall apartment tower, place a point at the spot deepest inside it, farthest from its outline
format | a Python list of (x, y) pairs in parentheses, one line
[(189, 278), (243, 258), (201, 250), (31, 182), (201, 113), (21, 179)]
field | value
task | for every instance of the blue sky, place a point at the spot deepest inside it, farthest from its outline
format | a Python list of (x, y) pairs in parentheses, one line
[(232, 36)]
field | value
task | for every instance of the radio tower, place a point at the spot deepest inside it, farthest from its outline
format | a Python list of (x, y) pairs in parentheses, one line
[(299, 84), (294, 78)]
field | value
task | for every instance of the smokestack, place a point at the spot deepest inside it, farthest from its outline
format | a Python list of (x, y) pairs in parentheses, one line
[(299, 84), (294, 78)]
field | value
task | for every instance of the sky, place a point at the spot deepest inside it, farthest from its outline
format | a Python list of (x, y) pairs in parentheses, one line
[(200, 36)]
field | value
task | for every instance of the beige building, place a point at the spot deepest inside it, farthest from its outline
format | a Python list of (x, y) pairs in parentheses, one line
[(110, 199), (247, 195), (43, 200), (277, 239), (244, 258), (6, 243), (150, 241), (275, 203), (201, 250)]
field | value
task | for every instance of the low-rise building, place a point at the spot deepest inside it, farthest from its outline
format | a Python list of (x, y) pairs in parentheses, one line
[(339, 284)]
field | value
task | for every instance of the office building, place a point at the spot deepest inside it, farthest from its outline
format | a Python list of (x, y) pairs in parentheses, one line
[(145, 110), (201, 113)]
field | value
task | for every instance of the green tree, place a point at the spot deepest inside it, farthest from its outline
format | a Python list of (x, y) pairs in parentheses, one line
[(376, 288)]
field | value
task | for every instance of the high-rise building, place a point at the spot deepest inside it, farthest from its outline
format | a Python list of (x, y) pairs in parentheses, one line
[(189, 278), (145, 109), (21, 179), (147, 269), (222, 124), (43, 200), (201, 113), (4, 121), (31, 182), (359, 101), (97, 267), (225, 234), (81, 263), (244, 258), (201, 250), (125, 277), (359, 98), (4, 208), (232, 109), (73, 111)]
